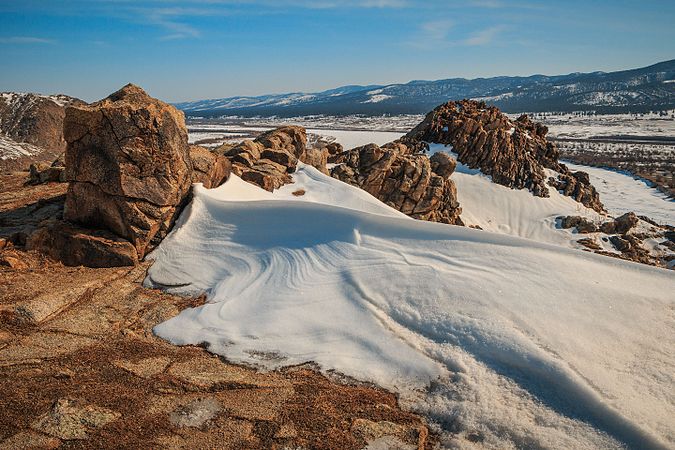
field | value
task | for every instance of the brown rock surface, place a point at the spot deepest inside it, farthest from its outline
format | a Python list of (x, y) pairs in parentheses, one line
[(513, 152), (269, 160), (210, 168), (406, 181), (77, 246), (69, 420), (128, 164), (582, 224), (43, 173)]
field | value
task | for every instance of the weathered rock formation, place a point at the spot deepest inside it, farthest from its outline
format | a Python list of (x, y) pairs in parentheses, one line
[(627, 235), (39, 173), (410, 182), (77, 246), (269, 160), (582, 224), (129, 169), (515, 153), (621, 225), (128, 164), (210, 169)]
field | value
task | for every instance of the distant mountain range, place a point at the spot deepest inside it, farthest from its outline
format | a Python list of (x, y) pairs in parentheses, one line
[(637, 90)]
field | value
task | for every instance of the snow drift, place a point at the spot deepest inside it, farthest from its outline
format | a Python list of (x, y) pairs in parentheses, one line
[(524, 343)]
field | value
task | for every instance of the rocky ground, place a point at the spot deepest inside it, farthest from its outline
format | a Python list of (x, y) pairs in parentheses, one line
[(80, 368)]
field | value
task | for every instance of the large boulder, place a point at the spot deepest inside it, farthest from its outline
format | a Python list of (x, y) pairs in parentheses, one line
[(514, 153), (128, 164), (407, 181)]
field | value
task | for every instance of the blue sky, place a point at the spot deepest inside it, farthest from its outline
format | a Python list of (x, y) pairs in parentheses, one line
[(195, 49)]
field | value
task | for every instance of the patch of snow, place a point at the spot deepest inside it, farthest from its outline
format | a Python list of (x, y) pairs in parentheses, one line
[(352, 139), (500, 209), (10, 149), (493, 98), (532, 344), (377, 98), (622, 193)]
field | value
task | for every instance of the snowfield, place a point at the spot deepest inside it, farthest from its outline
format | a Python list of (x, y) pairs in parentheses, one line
[(621, 193), (522, 343), (500, 209)]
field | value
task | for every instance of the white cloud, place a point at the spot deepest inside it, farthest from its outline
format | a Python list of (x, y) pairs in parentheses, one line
[(25, 40), (484, 37), (437, 30)]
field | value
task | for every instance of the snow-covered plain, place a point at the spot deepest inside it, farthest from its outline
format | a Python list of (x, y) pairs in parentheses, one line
[(583, 126), (356, 138), (349, 138), (524, 343)]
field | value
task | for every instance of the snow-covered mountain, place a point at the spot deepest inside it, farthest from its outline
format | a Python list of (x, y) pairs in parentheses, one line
[(644, 89), (31, 127)]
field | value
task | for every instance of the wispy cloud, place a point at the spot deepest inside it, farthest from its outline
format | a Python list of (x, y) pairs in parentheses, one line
[(173, 16), (172, 20), (25, 40), (437, 34), (487, 3), (437, 30), (484, 37)]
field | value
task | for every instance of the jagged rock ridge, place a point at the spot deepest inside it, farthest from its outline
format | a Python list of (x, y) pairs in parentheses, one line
[(269, 160), (515, 153)]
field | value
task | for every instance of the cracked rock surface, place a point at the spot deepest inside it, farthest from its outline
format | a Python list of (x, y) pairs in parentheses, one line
[(128, 164)]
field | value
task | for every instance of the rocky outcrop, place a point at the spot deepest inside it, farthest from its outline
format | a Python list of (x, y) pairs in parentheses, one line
[(40, 173), (210, 169), (129, 169), (582, 224), (628, 235), (269, 160), (409, 182), (578, 186), (514, 153), (622, 224), (128, 164)]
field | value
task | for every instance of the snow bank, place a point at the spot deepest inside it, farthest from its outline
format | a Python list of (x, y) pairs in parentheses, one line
[(500, 209), (622, 193), (524, 343)]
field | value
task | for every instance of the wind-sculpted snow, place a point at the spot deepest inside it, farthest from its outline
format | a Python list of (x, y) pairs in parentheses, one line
[(520, 343)]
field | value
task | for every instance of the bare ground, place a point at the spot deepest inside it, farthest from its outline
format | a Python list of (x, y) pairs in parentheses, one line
[(81, 368)]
